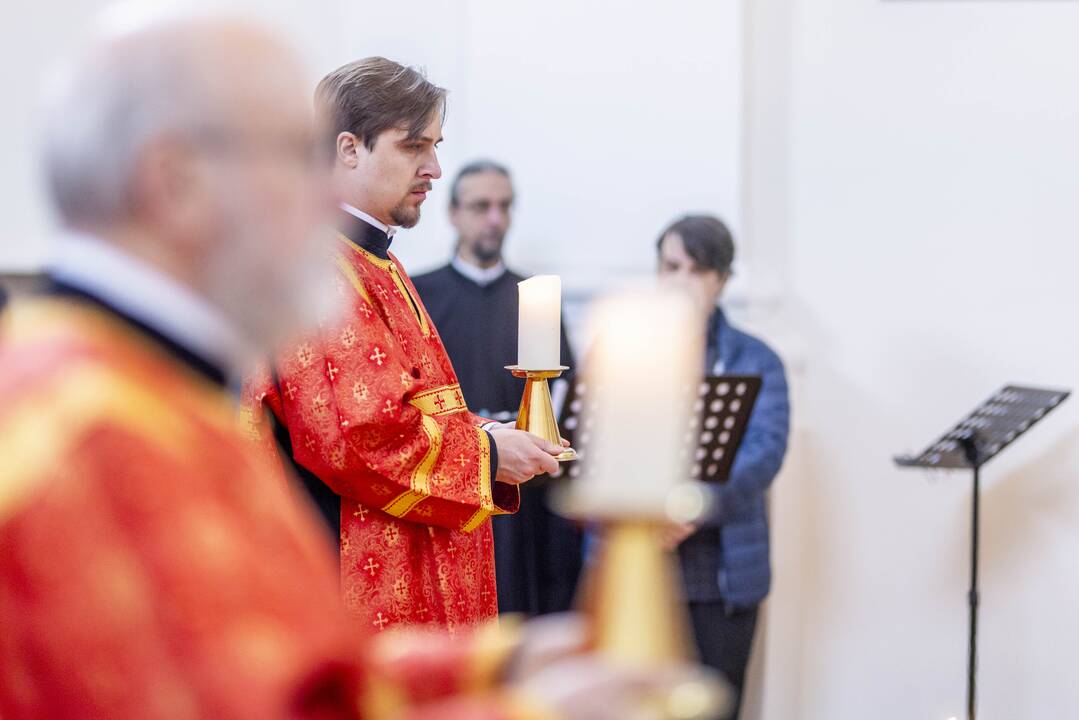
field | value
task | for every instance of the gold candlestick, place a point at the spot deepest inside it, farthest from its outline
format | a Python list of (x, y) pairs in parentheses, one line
[(537, 411), (643, 367), (637, 616)]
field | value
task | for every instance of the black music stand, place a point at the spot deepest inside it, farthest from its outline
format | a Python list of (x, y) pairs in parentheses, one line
[(974, 441), (714, 432)]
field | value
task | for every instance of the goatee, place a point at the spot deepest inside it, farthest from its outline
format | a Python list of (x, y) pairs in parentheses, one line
[(404, 216)]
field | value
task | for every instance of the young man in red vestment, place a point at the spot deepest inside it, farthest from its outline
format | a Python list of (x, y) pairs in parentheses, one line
[(152, 565), (370, 408)]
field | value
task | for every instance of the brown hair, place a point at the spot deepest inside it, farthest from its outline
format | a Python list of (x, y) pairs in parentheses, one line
[(369, 96), (706, 240)]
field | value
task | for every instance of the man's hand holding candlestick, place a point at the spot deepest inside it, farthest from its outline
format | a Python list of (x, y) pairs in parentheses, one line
[(522, 455)]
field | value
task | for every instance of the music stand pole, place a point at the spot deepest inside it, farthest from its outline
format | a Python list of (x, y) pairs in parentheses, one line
[(979, 437), (970, 449)]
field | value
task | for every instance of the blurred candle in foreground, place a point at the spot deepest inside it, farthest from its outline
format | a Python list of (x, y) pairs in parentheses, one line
[(539, 323), (641, 378)]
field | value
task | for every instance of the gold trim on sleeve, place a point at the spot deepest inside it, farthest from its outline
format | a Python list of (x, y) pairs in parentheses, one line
[(487, 501), (420, 480), (404, 503), (445, 400)]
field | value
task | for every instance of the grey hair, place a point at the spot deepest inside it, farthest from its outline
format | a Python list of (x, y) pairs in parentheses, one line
[(127, 89)]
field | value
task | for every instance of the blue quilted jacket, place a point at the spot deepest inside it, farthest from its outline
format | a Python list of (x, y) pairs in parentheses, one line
[(729, 558)]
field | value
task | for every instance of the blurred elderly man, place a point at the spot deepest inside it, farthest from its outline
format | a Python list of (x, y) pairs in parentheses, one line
[(143, 546), (151, 566)]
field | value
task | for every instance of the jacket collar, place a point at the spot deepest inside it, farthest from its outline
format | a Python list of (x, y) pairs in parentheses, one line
[(723, 343)]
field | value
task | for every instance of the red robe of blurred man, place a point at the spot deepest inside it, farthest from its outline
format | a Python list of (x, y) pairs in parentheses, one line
[(154, 566)]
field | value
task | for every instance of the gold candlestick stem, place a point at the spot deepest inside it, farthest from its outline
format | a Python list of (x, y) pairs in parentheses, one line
[(638, 619), (536, 414)]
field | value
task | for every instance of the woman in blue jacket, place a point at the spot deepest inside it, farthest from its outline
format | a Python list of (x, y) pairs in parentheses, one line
[(725, 561)]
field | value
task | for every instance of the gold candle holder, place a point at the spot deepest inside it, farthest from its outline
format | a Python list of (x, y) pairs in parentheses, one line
[(637, 617), (537, 411)]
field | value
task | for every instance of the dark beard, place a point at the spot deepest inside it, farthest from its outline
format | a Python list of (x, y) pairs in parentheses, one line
[(487, 253), (405, 216)]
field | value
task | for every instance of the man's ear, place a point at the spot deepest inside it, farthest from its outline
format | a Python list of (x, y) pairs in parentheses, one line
[(348, 149)]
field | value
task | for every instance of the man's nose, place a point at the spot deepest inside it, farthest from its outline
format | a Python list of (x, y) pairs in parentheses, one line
[(431, 169)]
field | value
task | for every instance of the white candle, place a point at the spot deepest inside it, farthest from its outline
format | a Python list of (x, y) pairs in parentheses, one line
[(539, 323), (642, 372)]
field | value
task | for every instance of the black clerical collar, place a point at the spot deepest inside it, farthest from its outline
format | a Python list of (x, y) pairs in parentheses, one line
[(211, 371), (360, 229)]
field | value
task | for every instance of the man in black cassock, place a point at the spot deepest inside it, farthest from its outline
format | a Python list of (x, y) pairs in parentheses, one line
[(473, 302)]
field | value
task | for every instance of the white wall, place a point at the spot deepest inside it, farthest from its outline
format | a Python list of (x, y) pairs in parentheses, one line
[(33, 41), (613, 118), (905, 198), (926, 172)]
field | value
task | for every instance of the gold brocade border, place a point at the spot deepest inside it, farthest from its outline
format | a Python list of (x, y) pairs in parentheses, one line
[(425, 328), (390, 267), (370, 257), (487, 501), (27, 321), (445, 400), (350, 272), (404, 503), (492, 646), (42, 428), (421, 476)]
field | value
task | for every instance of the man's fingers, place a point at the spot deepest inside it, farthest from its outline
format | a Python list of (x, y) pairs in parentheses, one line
[(548, 465), (544, 462), (548, 447)]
